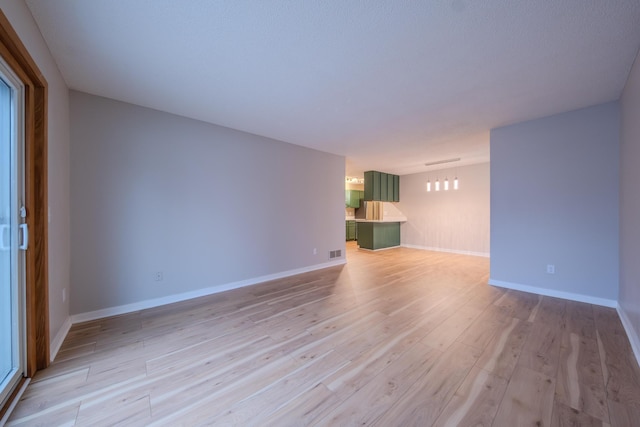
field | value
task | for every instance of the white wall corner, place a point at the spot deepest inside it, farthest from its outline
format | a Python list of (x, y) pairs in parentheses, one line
[(54, 348), (634, 339), (156, 302), (553, 293)]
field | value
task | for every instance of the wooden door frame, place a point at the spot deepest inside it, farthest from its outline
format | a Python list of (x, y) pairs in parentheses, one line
[(17, 57)]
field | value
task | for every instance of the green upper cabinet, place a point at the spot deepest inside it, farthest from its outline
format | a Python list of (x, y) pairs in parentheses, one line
[(352, 198), (396, 188), (380, 186), (372, 185), (384, 178)]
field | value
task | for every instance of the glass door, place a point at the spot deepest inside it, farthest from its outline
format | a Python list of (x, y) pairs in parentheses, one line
[(13, 234)]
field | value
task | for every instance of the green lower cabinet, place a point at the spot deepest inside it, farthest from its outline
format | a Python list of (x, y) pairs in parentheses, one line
[(351, 230), (378, 235)]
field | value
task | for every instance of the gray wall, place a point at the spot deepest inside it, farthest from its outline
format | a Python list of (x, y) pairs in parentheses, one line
[(206, 205), (452, 221), (554, 200), (629, 299), (58, 167)]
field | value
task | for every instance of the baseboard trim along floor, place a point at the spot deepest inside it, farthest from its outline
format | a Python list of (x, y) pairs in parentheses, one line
[(553, 293), (170, 299)]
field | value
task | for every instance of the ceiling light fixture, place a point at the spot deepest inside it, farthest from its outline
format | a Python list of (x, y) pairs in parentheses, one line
[(439, 162), (350, 180)]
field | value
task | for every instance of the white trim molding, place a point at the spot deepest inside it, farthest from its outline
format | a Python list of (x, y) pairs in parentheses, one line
[(380, 249), (156, 302), (553, 293), (59, 338), (451, 251), (634, 340)]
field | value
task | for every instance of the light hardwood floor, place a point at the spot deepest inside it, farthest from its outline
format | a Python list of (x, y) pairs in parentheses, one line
[(395, 338)]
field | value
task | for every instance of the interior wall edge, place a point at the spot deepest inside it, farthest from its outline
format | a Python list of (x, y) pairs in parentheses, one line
[(589, 299), (170, 299), (631, 333), (59, 338)]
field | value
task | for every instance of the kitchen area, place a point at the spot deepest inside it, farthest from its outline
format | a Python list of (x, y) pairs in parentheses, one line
[(371, 216)]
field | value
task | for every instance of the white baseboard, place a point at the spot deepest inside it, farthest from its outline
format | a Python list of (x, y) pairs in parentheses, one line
[(380, 249), (451, 251), (59, 338), (553, 293), (156, 302), (632, 334)]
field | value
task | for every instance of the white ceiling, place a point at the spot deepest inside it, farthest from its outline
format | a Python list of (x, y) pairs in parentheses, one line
[(390, 84)]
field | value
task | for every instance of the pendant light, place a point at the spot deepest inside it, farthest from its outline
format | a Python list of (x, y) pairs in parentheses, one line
[(446, 187)]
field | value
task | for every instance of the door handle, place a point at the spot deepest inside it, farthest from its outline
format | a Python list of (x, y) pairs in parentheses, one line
[(3, 227), (25, 237)]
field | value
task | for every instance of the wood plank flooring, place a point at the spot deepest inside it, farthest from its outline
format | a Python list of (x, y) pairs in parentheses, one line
[(400, 337)]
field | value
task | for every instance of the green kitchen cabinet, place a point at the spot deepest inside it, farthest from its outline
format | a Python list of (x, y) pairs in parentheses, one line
[(378, 235), (353, 197), (380, 186), (351, 230), (396, 188), (372, 185), (384, 178)]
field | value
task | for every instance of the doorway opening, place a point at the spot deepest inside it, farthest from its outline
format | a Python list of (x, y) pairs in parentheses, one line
[(13, 232), (26, 227)]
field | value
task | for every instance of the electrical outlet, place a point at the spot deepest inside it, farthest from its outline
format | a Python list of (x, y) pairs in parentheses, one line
[(158, 276), (551, 269), (64, 294), (315, 251)]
